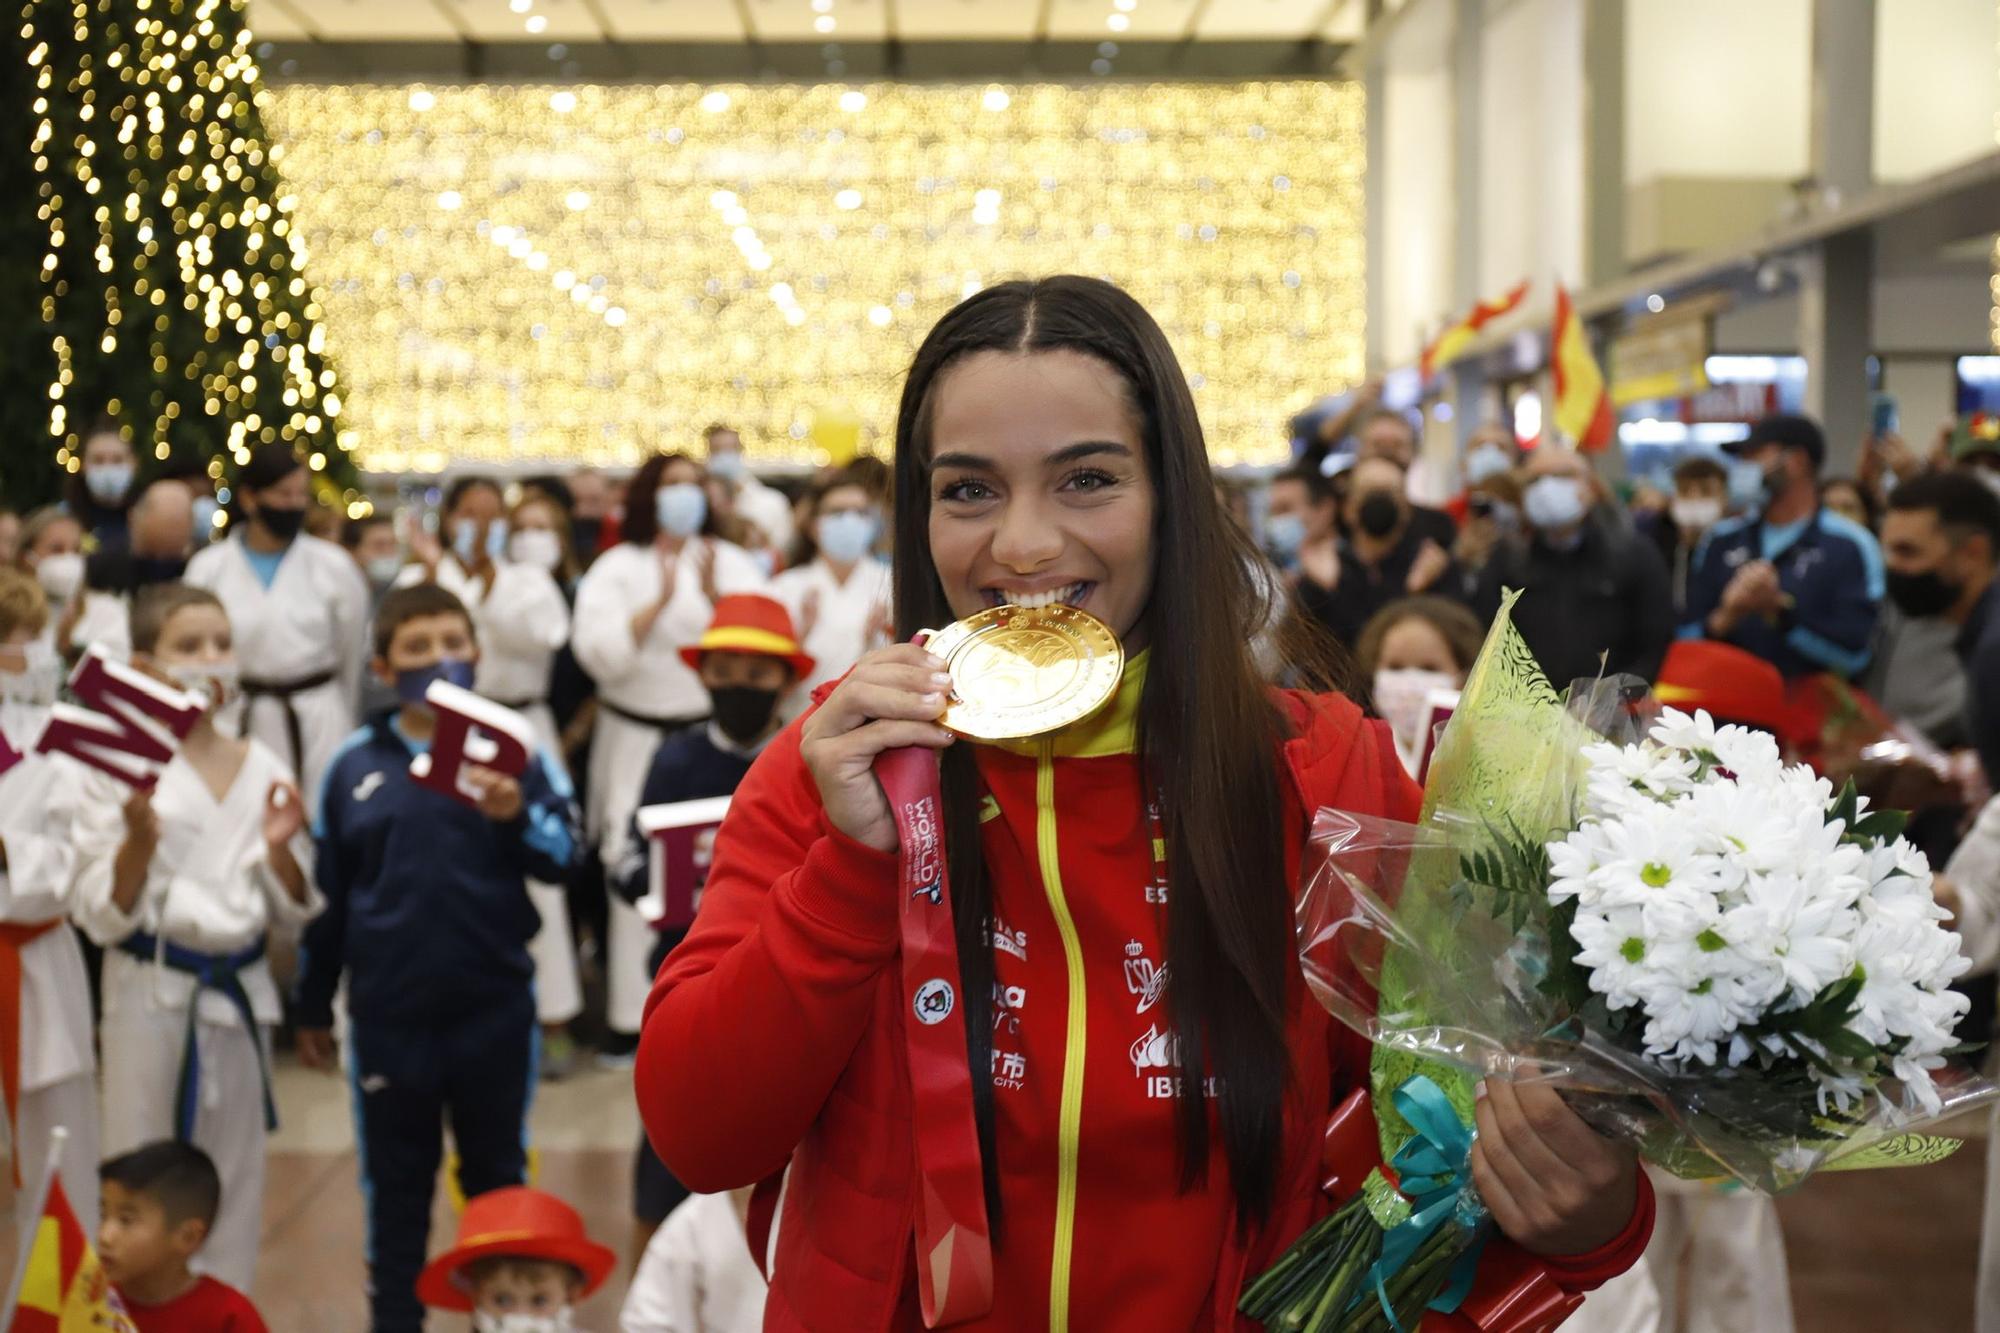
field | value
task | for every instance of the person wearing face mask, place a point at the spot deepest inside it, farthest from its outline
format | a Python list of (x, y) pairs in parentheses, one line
[(183, 886), (1700, 501), (523, 620), (643, 602), (428, 921), (1382, 559), (836, 590), (300, 608), (755, 503), (1409, 653), (100, 492), (1940, 541), (1793, 583), (1301, 530), (52, 552), (378, 554), (52, 1081), (1492, 520), (521, 1264), (749, 659), (1595, 593), (161, 539)]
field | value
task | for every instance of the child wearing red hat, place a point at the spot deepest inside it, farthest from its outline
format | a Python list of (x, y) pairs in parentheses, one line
[(521, 1264), (748, 659)]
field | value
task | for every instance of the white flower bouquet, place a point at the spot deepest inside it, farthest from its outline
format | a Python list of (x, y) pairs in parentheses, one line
[(1715, 955)]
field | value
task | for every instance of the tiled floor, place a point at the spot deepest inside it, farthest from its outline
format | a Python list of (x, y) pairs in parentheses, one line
[(1871, 1252)]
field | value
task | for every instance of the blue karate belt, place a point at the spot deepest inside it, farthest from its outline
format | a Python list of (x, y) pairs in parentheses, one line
[(221, 973), (1434, 1172)]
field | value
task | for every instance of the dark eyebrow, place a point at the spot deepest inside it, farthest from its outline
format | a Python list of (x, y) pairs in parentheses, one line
[(1069, 453)]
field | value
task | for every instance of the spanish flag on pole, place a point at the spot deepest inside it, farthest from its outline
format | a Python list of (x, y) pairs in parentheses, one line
[(1446, 347), (1582, 408), (57, 1286)]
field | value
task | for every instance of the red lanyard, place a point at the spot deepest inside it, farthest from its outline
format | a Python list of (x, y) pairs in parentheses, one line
[(954, 1248)]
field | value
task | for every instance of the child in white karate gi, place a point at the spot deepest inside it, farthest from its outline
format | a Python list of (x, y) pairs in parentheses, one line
[(45, 1034), (182, 886)]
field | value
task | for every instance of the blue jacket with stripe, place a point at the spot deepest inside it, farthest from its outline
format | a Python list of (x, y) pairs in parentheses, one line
[(427, 907), (1832, 576)]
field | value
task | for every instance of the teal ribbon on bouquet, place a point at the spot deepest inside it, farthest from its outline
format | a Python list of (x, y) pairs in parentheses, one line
[(1434, 1173)]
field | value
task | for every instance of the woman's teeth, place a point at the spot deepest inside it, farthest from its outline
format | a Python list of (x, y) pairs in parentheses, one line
[(1067, 596)]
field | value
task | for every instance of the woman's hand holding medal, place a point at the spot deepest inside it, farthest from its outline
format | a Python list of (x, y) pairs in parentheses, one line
[(892, 698)]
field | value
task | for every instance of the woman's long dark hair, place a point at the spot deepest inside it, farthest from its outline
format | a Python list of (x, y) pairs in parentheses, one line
[(1208, 729)]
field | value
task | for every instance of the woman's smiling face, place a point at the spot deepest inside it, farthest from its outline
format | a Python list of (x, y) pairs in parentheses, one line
[(1039, 488)]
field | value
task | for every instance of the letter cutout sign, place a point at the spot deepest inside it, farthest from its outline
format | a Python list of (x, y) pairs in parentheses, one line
[(681, 841), (130, 724), (470, 731)]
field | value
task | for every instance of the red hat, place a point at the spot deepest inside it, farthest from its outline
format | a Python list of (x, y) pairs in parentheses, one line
[(747, 622), (519, 1223), (1731, 684)]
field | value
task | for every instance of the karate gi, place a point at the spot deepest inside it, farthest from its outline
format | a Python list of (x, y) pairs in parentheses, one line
[(697, 1275), (522, 621), (209, 903), (847, 619), (301, 642), (644, 692), (39, 957)]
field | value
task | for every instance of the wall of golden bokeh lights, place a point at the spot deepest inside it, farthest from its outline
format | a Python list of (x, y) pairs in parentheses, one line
[(521, 273)]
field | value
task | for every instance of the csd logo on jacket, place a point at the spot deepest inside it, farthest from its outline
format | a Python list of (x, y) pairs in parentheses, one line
[(934, 1001)]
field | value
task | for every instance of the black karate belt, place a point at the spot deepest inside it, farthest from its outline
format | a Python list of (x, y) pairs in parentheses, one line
[(284, 691), (520, 705), (659, 724)]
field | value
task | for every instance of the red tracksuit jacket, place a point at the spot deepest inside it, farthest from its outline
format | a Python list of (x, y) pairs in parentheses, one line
[(775, 1031)]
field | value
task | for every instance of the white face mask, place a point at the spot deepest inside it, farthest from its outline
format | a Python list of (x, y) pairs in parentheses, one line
[(38, 681), (1402, 697), (536, 546), (518, 1322), (60, 575), (1697, 513), (218, 682)]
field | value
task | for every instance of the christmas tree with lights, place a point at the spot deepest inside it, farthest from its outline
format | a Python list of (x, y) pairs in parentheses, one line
[(173, 294)]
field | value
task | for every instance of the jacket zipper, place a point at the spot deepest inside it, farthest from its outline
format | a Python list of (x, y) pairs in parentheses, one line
[(1070, 1119)]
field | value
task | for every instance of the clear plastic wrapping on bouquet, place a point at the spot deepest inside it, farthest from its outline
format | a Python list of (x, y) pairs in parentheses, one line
[(1404, 938)]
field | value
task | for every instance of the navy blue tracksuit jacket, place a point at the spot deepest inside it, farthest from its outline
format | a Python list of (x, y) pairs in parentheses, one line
[(428, 915), (1832, 572)]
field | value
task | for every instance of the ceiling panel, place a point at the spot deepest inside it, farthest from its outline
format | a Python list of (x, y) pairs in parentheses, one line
[(799, 21), (1147, 20), (374, 20), (673, 20), (1347, 23), (1235, 19), (269, 20), (949, 20), (498, 21)]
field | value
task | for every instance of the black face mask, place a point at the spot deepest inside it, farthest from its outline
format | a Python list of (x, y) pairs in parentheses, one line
[(284, 524), (584, 532), (743, 711), (1927, 594), (1379, 514), (151, 569)]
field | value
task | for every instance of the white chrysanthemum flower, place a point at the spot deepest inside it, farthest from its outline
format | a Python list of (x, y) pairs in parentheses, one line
[(1803, 940), (1647, 857), (1691, 734), (1613, 946), (1625, 779), (1574, 860), (1748, 758)]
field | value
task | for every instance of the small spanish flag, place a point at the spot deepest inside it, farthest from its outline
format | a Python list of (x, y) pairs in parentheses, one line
[(58, 1287), (1582, 408), (1446, 347)]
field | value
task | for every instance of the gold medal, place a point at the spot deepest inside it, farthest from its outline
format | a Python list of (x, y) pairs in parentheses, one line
[(1022, 671)]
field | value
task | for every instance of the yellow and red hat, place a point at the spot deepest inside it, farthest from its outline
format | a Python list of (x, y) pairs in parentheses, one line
[(518, 1223), (748, 622), (1731, 684)]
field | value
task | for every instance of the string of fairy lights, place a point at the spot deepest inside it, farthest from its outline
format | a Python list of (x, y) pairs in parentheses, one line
[(174, 279), (586, 273)]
